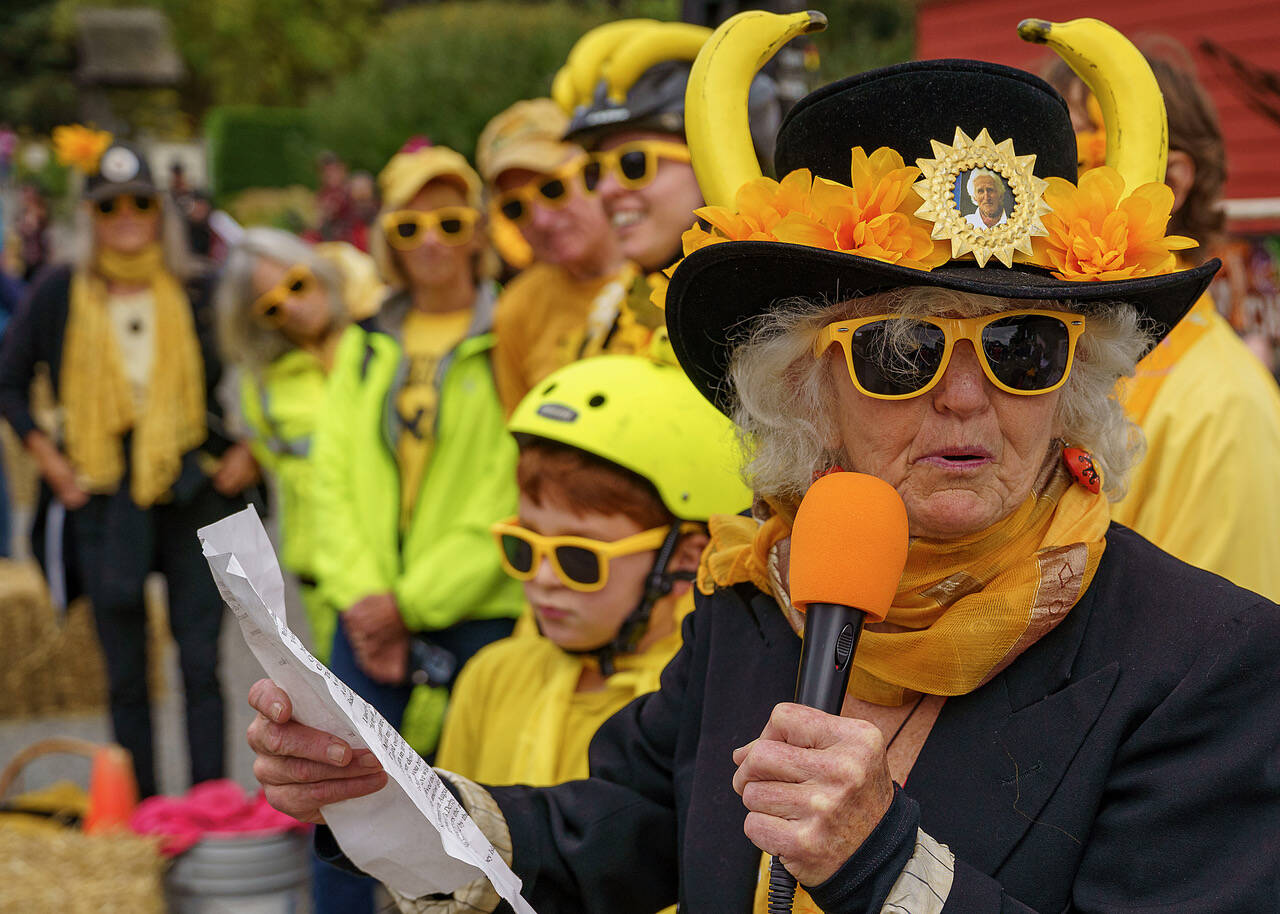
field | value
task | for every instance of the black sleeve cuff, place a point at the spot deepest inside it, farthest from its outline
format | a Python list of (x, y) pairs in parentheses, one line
[(864, 881), (327, 850)]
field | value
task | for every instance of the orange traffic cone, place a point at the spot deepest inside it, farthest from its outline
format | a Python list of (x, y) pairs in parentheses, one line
[(113, 791)]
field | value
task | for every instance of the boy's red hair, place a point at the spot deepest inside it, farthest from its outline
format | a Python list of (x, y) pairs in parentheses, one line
[(587, 484)]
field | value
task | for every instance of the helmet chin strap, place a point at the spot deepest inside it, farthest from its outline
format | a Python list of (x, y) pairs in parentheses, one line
[(656, 586)]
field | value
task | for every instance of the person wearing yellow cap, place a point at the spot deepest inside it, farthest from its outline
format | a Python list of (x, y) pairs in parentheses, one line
[(537, 185), (621, 464), (412, 464)]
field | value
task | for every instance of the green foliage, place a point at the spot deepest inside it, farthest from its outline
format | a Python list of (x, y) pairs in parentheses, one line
[(862, 35), (259, 147), (254, 52), (36, 89), (444, 70)]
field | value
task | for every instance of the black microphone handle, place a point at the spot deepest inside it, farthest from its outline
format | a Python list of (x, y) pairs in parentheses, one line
[(831, 634)]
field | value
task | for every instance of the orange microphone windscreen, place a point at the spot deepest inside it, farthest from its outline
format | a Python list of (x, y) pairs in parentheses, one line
[(849, 544)]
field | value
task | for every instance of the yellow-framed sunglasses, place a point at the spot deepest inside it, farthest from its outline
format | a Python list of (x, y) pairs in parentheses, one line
[(550, 190), (582, 564), (407, 229), (268, 307), (634, 164), (138, 203), (897, 356)]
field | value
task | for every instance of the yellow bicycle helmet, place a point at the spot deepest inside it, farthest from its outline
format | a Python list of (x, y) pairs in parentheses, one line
[(646, 417)]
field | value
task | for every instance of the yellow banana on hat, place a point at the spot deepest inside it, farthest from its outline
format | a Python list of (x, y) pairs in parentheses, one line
[(575, 82), (1118, 75), (667, 41), (716, 122)]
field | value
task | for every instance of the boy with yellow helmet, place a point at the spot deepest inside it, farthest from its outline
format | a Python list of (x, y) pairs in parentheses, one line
[(621, 464)]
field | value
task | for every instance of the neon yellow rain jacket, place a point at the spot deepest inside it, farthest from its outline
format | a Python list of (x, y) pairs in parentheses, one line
[(444, 568), (281, 405)]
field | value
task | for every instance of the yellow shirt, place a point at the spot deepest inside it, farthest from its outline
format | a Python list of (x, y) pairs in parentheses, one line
[(541, 324), (1208, 490), (428, 338), (514, 717)]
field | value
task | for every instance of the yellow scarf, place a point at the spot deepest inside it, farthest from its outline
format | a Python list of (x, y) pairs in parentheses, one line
[(95, 397), (1140, 391), (969, 606)]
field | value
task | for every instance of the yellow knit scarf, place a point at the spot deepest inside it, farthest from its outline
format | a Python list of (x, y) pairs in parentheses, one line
[(95, 397), (968, 607)]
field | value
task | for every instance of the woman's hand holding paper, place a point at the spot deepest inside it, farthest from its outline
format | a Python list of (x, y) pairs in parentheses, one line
[(300, 768)]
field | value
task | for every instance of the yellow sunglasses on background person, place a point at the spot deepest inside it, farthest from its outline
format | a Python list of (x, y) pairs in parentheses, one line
[(551, 190), (897, 356), (269, 306), (406, 229), (634, 164), (139, 203), (582, 564)]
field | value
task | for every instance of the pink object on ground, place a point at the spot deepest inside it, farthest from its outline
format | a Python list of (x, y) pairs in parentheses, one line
[(212, 808)]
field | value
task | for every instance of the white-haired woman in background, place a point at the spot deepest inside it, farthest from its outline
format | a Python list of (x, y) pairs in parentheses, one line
[(281, 310)]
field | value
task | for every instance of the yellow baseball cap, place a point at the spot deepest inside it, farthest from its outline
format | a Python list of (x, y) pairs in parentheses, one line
[(526, 135), (414, 165)]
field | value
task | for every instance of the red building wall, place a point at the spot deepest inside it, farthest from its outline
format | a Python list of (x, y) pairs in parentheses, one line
[(1249, 29)]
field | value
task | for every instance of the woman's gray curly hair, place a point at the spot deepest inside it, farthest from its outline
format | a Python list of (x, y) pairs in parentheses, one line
[(242, 338), (784, 400)]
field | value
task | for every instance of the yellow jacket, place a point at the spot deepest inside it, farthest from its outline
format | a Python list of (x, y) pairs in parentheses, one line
[(514, 717), (1208, 490)]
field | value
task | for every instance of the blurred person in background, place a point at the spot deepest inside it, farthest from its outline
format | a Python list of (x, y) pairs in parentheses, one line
[(281, 311), (139, 461), (412, 465), (1208, 489), (10, 295), (333, 198), (364, 208), (32, 228), (537, 184)]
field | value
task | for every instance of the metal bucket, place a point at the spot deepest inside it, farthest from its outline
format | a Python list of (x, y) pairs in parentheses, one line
[(242, 874)]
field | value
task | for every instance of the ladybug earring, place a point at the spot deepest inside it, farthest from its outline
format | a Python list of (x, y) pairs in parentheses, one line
[(1080, 466)]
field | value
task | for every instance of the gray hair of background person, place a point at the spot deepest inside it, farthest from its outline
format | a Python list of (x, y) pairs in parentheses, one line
[(241, 336), (973, 175), (173, 239), (785, 404)]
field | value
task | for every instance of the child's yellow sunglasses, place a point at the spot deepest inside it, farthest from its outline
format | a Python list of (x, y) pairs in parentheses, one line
[(581, 564)]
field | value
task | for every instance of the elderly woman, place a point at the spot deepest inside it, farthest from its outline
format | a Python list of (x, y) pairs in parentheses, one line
[(139, 461), (281, 310), (1055, 715)]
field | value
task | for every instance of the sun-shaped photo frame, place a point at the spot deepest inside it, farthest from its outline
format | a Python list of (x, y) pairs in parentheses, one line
[(981, 169)]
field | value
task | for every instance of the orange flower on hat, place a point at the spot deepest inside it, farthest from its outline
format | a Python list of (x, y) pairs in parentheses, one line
[(760, 205), (871, 217), (1098, 233)]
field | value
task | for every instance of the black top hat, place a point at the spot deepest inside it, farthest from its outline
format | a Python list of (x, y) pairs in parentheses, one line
[(122, 169), (717, 290)]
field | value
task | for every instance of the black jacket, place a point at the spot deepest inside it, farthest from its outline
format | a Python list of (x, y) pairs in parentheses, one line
[(1128, 761)]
